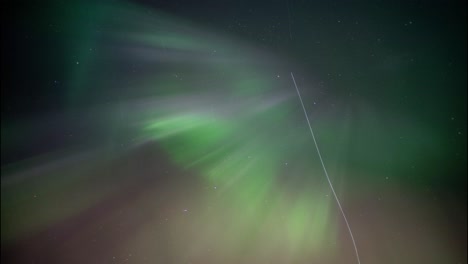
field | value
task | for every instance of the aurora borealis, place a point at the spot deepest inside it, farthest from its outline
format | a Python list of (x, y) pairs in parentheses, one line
[(171, 132)]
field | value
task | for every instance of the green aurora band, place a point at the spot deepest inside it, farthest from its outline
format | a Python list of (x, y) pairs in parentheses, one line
[(226, 115)]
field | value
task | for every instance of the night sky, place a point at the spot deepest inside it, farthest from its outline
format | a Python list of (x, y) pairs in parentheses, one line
[(172, 132)]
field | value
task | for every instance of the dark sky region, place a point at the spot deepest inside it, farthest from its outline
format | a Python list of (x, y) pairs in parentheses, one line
[(171, 131)]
